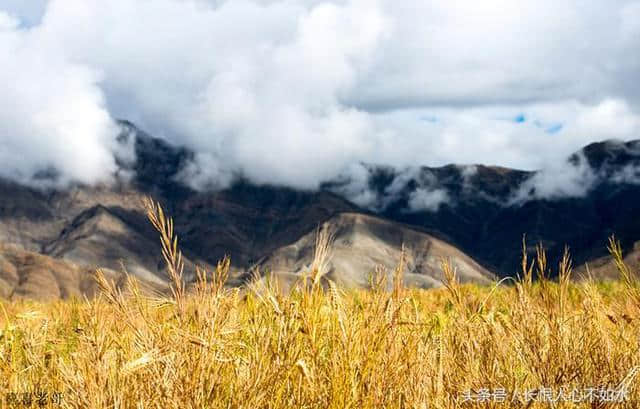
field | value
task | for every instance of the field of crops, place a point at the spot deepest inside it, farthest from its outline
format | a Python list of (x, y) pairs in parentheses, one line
[(528, 342)]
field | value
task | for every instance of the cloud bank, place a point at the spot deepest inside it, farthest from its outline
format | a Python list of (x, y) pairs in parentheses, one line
[(296, 92), (570, 179)]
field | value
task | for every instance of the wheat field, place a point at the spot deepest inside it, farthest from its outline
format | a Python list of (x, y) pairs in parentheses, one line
[(530, 342)]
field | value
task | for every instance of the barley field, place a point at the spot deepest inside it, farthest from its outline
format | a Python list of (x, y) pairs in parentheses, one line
[(529, 342)]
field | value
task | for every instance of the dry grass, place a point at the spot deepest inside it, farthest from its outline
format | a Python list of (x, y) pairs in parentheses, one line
[(318, 346)]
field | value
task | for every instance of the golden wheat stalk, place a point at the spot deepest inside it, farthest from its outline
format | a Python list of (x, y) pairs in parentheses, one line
[(170, 251), (322, 253), (398, 275)]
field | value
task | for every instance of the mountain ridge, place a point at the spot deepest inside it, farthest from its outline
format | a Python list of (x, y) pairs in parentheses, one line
[(469, 207)]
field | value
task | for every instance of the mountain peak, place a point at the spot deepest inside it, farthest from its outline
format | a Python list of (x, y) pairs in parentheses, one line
[(612, 153)]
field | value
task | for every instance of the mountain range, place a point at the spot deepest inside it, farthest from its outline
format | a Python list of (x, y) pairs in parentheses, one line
[(474, 215)]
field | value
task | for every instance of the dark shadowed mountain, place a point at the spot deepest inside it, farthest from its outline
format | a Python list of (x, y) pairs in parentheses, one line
[(481, 218), (475, 215)]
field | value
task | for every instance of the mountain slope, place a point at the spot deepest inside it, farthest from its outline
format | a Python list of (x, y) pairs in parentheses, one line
[(361, 243), (467, 212), (26, 274), (481, 217), (97, 237)]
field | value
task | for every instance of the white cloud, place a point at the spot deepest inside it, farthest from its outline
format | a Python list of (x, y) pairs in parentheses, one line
[(426, 199), (571, 179), (296, 91), (52, 113), (629, 174), (424, 194), (353, 184)]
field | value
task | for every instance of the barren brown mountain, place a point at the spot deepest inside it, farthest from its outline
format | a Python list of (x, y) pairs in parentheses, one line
[(52, 238)]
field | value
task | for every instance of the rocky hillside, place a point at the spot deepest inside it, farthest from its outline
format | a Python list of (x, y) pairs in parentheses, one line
[(361, 243), (475, 215)]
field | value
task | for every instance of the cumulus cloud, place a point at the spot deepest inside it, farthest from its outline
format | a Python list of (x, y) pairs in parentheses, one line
[(354, 183), (420, 187), (571, 179), (427, 199), (54, 124), (629, 174), (296, 92)]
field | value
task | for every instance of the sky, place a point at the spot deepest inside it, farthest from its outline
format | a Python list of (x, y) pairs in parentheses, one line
[(294, 92)]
